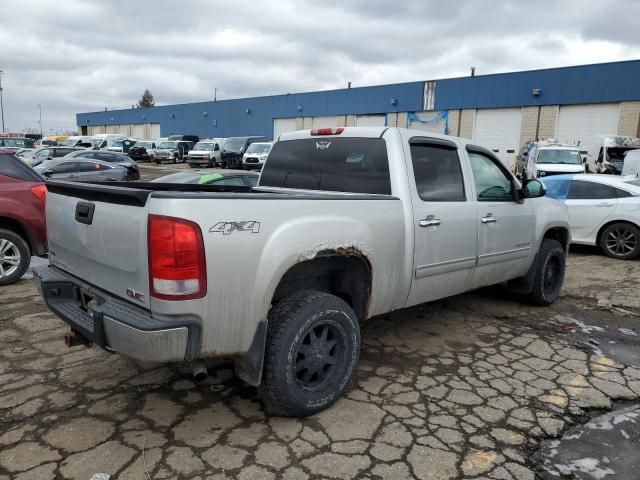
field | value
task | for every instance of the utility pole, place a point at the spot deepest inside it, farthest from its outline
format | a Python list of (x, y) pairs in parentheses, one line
[(40, 108), (1, 102), (215, 94)]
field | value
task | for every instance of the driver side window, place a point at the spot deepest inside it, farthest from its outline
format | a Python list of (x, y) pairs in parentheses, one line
[(492, 183)]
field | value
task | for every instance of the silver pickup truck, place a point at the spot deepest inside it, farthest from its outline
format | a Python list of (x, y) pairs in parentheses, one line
[(345, 224)]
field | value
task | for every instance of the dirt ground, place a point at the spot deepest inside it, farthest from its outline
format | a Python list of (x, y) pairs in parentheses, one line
[(467, 387)]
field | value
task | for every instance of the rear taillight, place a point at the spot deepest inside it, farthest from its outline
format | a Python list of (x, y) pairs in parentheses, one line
[(327, 131), (40, 191), (176, 259)]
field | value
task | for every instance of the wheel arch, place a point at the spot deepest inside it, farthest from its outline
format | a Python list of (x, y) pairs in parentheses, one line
[(561, 234), (15, 226), (343, 272)]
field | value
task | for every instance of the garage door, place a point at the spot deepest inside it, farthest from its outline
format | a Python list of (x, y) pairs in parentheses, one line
[(155, 130), (325, 122), (371, 120), (499, 130), (583, 122), (434, 122), (137, 131), (283, 125)]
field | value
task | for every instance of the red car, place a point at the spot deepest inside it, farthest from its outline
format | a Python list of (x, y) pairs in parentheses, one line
[(23, 230)]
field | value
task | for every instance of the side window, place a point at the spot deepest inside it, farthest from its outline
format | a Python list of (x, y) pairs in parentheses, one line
[(622, 193), (437, 173), (86, 167), (581, 190), (44, 153), (216, 147), (65, 167), (492, 182)]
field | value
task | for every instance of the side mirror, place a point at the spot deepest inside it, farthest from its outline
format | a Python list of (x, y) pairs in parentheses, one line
[(534, 189), (584, 159), (48, 173), (49, 157)]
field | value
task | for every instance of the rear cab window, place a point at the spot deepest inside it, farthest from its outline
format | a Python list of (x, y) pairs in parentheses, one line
[(348, 164)]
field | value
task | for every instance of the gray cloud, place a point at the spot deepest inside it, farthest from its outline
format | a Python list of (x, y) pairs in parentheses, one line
[(81, 55)]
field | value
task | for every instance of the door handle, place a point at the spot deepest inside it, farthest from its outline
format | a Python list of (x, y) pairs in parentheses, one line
[(604, 204), (430, 221), (489, 218)]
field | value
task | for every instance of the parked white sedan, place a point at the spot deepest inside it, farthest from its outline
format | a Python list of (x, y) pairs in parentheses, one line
[(604, 210)]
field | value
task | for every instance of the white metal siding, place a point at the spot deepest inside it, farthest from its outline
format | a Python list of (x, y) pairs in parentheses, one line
[(371, 120), (499, 130), (155, 130), (325, 122), (429, 122), (283, 125), (583, 122)]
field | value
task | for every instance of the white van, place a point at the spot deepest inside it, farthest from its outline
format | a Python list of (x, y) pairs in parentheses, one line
[(77, 141), (606, 152), (105, 140)]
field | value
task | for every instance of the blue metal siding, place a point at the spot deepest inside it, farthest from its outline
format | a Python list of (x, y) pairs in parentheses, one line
[(607, 82), (231, 118), (601, 83)]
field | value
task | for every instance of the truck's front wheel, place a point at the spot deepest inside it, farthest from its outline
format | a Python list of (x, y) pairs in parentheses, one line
[(312, 350), (549, 273)]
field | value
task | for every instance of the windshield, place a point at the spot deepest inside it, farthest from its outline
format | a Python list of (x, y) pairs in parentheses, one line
[(70, 142), (203, 146), (16, 142), (570, 157), (118, 143), (616, 154), (170, 145), (234, 144), (259, 148), (23, 153), (143, 144), (96, 142)]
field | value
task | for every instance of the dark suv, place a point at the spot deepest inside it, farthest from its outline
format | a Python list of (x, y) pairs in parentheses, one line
[(233, 149), (23, 230)]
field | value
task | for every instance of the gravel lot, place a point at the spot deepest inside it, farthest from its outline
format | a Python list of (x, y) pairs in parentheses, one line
[(467, 387)]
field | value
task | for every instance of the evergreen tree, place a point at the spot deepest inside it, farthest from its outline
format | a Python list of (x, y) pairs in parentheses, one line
[(146, 100)]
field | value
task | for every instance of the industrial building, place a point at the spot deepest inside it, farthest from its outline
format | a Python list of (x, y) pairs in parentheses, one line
[(501, 111)]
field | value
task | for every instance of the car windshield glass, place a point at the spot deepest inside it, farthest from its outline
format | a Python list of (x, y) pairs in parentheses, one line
[(571, 157), (15, 142), (616, 154), (168, 145), (96, 141), (69, 142), (180, 177), (234, 144), (118, 143), (203, 146), (143, 144), (259, 148)]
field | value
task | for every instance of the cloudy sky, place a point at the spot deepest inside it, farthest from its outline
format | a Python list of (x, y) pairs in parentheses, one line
[(78, 55)]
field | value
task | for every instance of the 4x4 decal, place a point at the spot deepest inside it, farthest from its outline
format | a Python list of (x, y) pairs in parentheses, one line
[(226, 228)]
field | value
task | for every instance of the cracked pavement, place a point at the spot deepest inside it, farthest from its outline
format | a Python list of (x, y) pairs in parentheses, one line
[(467, 387)]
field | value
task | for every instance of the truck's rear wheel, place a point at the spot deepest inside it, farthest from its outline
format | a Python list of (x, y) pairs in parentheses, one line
[(14, 257), (312, 350), (549, 273)]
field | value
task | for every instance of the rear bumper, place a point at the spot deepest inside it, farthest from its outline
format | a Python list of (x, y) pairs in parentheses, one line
[(114, 324)]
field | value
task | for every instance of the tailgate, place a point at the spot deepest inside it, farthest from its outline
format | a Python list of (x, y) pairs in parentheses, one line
[(99, 234)]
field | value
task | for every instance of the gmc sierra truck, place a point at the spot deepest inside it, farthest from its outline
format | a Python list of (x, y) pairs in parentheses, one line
[(344, 224)]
